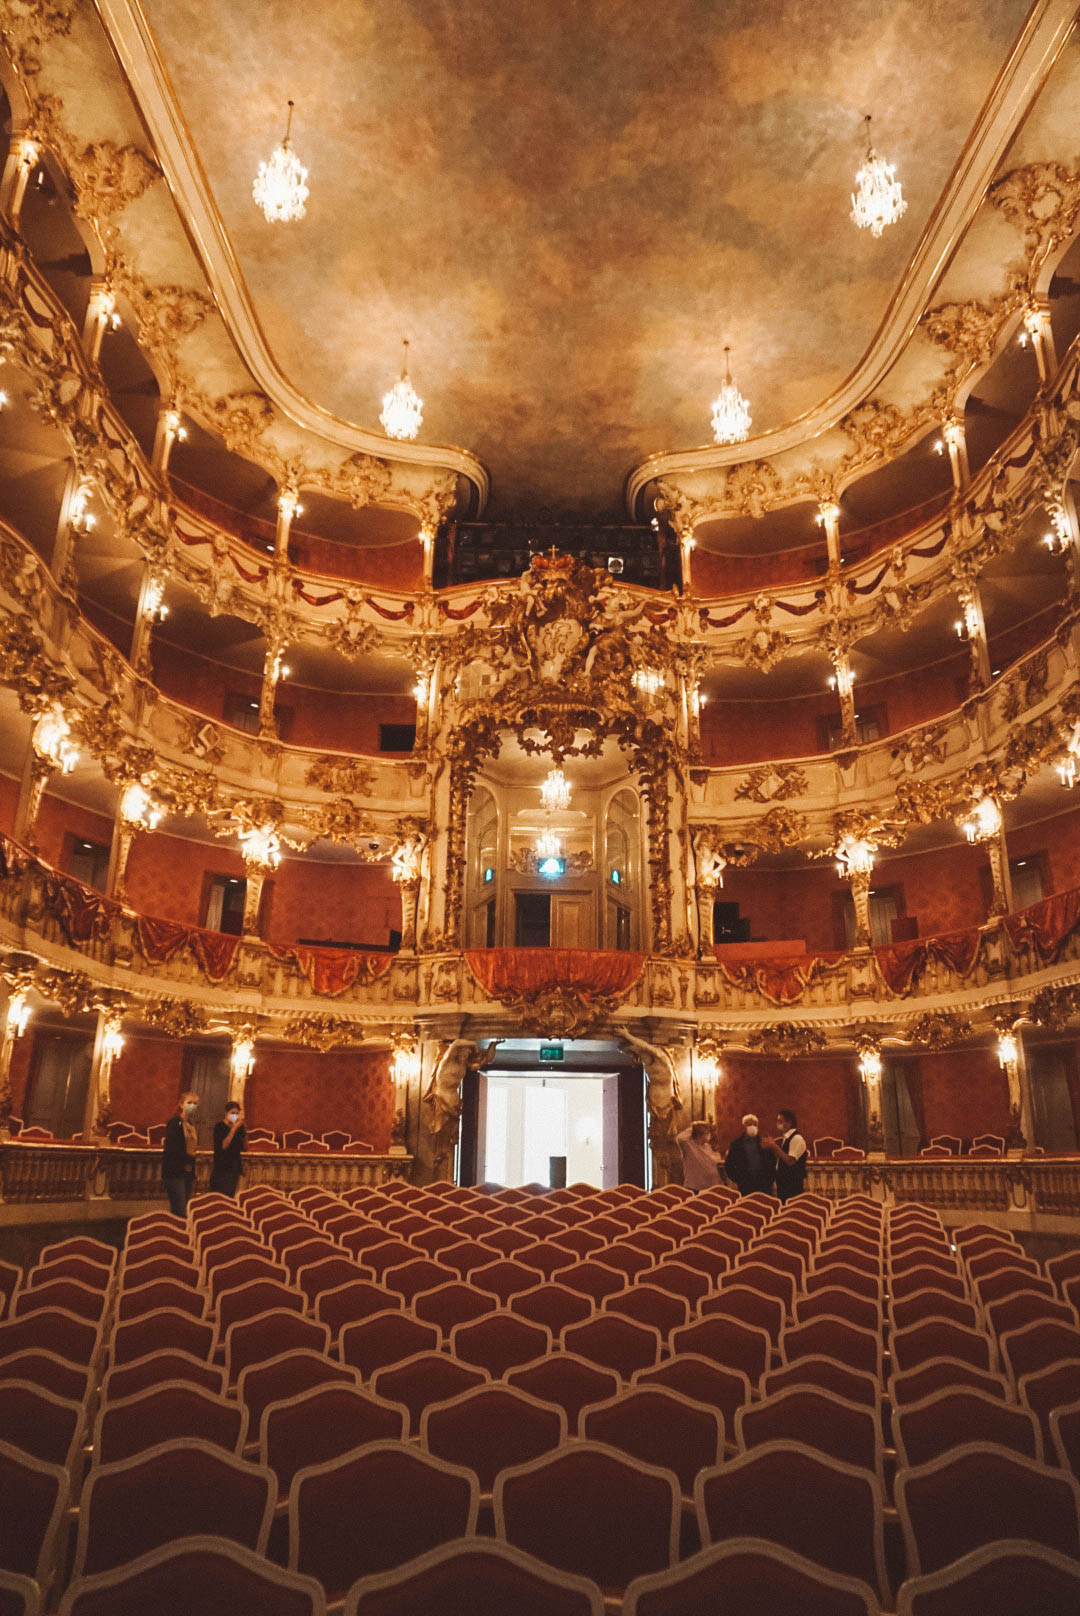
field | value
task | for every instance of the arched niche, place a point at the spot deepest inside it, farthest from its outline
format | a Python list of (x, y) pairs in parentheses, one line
[(621, 872)]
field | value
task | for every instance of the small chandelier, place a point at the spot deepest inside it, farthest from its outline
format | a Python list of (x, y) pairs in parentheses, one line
[(406, 1063), (280, 187), (154, 601), (984, 821), (555, 791), (1059, 537), (261, 846), (18, 1013), (402, 407), (1067, 766), (242, 1058), (731, 418), (870, 1063), (112, 1040), (650, 681), (52, 741), (138, 808), (1008, 1050), (548, 845), (878, 199), (855, 856)]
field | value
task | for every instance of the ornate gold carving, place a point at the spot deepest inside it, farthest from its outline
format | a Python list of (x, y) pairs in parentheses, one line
[(26, 25), (773, 782), (787, 1039), (762, 649), (526, 861), (1026, 687), (343, 820), (1055, 1007), (239, 419), (342, 775), (940, 1029), (176, 1017), (971, 330), (322, 1032), (1043, 201), (920, 750), (778, 829)]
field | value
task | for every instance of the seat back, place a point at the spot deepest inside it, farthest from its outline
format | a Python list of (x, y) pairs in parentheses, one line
[(997, 1579), (385, 1338), (749, 1575), (480, 1576), (322, 1424), (702, 1380), (40, 1423), (374, 1509), (796, 1497), (125, 1379), (166, 1329), (565, 1380), (48, 1370), (590, 1510), (52, 1330), (978, 1493), (170, 1411), (491, 1428), (958, 1415), (429, 1377), (1037, 1345), (175, 1489), (614, 1342), (499, 1341), (35, 1496), (256, 1340), (850, 1432), (287, 1376), (659, 1427), (941, 1338)]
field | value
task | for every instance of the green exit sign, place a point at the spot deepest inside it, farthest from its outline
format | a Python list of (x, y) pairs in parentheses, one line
[(551, 1052)]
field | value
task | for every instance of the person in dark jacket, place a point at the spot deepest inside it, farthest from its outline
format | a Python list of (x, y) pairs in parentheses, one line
[(230, 1138), (178, 1154), (748, 1164)]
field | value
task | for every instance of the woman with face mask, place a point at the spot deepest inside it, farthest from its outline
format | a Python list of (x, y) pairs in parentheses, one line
[(229, 1140), (178, 1154)]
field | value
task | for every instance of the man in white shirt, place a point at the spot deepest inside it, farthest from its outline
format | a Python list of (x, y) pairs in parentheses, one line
[(789, 1148), (700, 1162)]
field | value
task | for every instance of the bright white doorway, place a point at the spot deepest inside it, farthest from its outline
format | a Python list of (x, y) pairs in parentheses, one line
[(525, 1121)]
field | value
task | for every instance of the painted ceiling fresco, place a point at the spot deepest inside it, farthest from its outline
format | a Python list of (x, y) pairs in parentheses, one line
[(570, 206)]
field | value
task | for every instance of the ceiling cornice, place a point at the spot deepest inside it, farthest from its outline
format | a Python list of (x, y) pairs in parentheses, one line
[(1048, 26), (133, 43)]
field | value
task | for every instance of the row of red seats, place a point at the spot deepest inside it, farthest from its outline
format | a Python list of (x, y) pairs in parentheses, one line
[(843, 1235)]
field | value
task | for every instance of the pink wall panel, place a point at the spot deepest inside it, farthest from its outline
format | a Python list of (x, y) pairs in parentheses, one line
[(787, 903), (917, 696), (754, 731)]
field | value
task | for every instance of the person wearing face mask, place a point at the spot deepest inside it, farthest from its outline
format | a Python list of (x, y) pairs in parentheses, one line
[(748, 1164), (178, 1154), (229, 1139)]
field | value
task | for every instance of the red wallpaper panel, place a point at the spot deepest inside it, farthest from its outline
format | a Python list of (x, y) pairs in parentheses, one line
[(166, 875), (303, 1089), (346, 722), (1059, 839), (147, 1077), (334, 903), (756, 731), (942, 889), (9, 802), (964, 1092), (824, 1094), (56, 819), (787, 903)]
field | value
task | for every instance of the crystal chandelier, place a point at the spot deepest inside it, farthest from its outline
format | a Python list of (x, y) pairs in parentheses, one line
[(730, 411), (1067, 766), (280, 187), (878, 199), (402, 407), (548, 845), (650, 681), (555, 791)]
